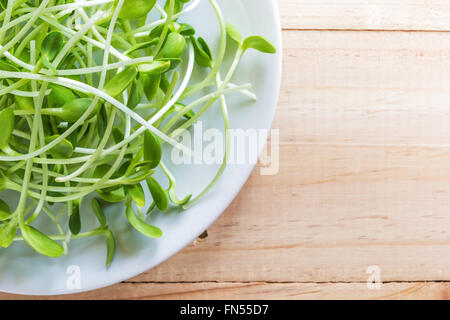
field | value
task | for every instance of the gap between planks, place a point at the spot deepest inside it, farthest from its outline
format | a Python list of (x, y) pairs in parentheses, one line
[(361, 30)]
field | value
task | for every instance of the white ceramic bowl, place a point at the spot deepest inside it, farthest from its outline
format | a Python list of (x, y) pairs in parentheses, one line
[(23, 271)]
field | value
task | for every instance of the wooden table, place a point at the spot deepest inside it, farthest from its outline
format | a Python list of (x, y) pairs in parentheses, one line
[(364, 180)]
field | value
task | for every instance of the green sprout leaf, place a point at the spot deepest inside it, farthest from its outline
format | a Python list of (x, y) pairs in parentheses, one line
[(141, 226), (154, 68), (203, 55), (151, 85), (7, 126), (152, 149), (174, 47), (156, 32), (136, 193), (52, 45), (233, 33), (110, 246), (118, 135), (72, 110), (98, 210), (136, 94), (114, 196), (75, 218), (41, 242), (102, 119), (5, 212), (8, 66), (258, 43), (120, 82), (7, 233), (61, 95), (135, 9), (158, 194), (186, 30), (24, 103), (62, 150)]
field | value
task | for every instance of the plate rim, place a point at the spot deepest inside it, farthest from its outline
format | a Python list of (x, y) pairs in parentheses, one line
[(278, 41)]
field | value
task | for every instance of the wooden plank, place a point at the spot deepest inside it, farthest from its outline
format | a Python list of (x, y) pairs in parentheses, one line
[(364, 176), (364, 170), (365, 15), (265, 291)]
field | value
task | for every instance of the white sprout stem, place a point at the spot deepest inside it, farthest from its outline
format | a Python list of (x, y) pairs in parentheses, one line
[(226, 123), (30, 94), (208, 97), (94, 29), (29, 164), (73, 6), (184, 84), (38, 101), (67, 8), (17, 61), (161, 10), (112, 66), (15, 22), (247, 93)]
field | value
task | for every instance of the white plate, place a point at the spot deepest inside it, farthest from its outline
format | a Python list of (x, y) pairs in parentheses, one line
[(23, 271)]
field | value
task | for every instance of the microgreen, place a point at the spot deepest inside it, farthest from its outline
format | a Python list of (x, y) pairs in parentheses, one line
[(74, 76), (62, 150), (72, 110), (258, 43), (203, 55), (61, 95), (234, 33), (7, 126), (120, 82), (51, 46), (7, 233), (136, 9), (75, 218), (154, 68), (152, 149), (158, 194), (98, 210), (140, 225), (174, 47), (40, 242), (136, 193), (5, 212)]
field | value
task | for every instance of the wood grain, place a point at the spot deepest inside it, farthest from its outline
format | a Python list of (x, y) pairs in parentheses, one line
[(409, 15), (364, 174), (263, 291)]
